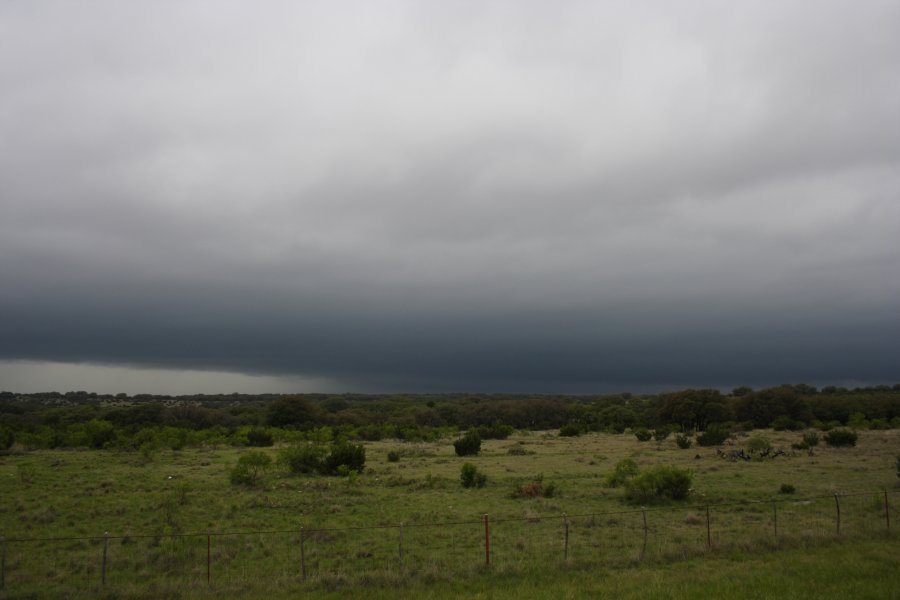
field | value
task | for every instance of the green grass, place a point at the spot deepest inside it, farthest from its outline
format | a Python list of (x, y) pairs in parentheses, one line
[(142, 501)]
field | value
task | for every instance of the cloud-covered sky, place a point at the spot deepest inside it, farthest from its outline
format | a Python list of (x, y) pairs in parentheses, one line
[(200, 196)]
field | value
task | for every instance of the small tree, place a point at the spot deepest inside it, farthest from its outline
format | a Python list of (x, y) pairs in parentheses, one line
[(469, 444), (715, 435), (250, 468), (470, 476), (838, 438), (643, 434), (625, 470)]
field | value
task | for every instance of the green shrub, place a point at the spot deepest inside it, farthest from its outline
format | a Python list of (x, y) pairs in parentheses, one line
[(759, 444), (517, 450), (811, 439), (661, 433), (838, 438), (469, 444), (642, 434), (683, 441), (658, 483), (715, 435), (787, 488), (498, 431), (351, 456), (393, 456), (625, 469), (470, 476), (570, 430), (303, 458), (7, 437), (259, 438), (250, 468)]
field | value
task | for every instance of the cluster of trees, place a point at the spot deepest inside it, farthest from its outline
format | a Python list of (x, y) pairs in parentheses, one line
[(82, 419)]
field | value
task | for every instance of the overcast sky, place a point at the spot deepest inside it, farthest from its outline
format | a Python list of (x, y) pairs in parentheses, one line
[(216, 196)]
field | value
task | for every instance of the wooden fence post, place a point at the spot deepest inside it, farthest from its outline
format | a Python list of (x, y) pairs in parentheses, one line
[(401, 544), (837, 506), (487, 541), (105, 548), (208, 558), (303, 552), (566, 547)]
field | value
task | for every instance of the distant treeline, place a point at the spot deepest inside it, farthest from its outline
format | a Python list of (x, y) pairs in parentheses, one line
[(82, 419)]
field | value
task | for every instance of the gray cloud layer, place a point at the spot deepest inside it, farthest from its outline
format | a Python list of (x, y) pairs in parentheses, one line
[(498, 195)]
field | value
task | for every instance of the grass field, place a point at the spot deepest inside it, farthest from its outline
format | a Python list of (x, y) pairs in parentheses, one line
[(159, 508)]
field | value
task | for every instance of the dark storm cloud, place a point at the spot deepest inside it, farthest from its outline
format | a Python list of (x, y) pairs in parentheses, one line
[(477, 196)]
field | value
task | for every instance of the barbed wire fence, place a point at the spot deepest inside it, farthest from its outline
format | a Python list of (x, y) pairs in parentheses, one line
[(310, 553)]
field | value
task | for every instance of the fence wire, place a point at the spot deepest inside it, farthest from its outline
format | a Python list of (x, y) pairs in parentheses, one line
[(609, 539)]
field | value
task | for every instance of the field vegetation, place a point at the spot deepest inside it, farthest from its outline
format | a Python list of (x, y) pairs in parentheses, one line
[(596, 513)]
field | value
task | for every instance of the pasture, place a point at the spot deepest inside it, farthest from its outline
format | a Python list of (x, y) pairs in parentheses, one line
[(177, 527)]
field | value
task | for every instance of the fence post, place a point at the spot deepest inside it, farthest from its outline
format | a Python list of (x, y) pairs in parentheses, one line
[(487, 540), (566, 548), (887, 512), (208, 557), (401, 544), (837, 506), (303, 552), (105, 548), (3, 561), (775, 517), (708, 533), (646, 529)]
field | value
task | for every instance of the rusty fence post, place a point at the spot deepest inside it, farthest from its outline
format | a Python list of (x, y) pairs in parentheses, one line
[(105, 548), (303, 552), (487, 540), (837, 506), (566, 547)]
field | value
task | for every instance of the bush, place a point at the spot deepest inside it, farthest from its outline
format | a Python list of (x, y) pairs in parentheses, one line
[(657, 484), (498, 431), (535, 489), (303, 458), (787, 488), (570, 430), (811, 439), (259, 438), (470, 476), (661, 433), (683, 440), (643, 434), (469, 444), (758, 444), (713, 436), (838, 438), (250, 468), (350, 456), (393, 456), (625, 469), (7, 437)]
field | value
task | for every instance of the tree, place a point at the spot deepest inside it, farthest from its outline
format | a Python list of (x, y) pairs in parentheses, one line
[(291, 411)]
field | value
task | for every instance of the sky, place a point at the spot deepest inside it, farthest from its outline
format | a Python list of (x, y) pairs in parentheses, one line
[(209, 196)]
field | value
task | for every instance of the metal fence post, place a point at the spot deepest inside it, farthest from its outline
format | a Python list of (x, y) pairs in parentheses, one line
[(105, 548), (775, 517), (708, 533), (303, 552), (208, 557), (837, 506), (887, 512), (566, 547), (487, 540), (646, 529), (401, 544)]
